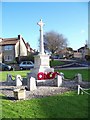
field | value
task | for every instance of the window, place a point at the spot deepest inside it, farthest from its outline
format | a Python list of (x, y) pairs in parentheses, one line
[(24, 63), (28, 62), (8, 58), (8, 47)]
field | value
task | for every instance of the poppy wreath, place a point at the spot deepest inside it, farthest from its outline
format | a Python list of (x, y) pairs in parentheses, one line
[(45, 76), (41, 76), (56, 73), (50, 75)]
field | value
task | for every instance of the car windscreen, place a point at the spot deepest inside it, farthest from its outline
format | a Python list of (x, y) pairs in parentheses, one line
[(29, 62)]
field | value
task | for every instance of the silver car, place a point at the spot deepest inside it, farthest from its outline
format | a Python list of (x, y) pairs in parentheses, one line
[(26, 65)]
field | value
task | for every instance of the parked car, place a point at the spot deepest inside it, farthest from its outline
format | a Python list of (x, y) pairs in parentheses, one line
[(54, 57), (26, 65), (4, 66)]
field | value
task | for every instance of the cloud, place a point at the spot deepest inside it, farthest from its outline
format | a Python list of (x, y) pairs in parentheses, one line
[(82, 31)]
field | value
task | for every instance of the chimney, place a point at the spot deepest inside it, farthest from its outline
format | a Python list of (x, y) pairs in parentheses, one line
[(19, 37)]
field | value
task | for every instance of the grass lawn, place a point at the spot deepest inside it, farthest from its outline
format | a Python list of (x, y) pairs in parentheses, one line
[(67, 105), (68, 73), (3, 74), (56, 63), (71, 73)]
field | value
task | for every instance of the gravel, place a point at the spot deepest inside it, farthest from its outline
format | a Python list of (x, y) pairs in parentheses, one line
[(42, 90)]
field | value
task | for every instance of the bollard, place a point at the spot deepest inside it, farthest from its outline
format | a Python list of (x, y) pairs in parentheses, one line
[(29, 75), (62, 74), (18, 80), (79, 78), (31, 83), (9, 78), (78, 89), (59, 80)]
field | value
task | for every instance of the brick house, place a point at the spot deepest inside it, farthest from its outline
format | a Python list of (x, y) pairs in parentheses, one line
[(11, 48)]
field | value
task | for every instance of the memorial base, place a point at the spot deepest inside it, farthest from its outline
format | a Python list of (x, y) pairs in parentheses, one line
[(41, 62)]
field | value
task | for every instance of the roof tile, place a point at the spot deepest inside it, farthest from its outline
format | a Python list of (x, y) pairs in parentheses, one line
[(9, 41)]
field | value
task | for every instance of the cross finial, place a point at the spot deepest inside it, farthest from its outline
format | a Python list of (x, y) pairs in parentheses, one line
[(40, 23)]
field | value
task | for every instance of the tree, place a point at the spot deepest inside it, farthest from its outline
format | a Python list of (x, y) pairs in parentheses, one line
[(53, 42), (70, 49), (69, 53)]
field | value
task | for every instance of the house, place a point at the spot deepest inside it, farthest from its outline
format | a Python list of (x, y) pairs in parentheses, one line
[(11, 48), (29, 49), (81, 52), (65, 53), (84, 51), (77, 54)]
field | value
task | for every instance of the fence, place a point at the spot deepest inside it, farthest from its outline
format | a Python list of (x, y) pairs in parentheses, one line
[(83, 90)]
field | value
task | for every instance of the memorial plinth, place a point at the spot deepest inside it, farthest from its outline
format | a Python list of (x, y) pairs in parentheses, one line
[(42, 63)]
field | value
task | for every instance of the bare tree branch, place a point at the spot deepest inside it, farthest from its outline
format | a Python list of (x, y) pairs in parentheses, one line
[(54, 42)]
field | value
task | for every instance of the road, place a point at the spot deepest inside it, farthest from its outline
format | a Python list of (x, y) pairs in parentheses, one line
[(70, 68)]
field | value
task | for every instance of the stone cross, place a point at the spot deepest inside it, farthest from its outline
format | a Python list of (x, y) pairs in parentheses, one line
[(41, 24)]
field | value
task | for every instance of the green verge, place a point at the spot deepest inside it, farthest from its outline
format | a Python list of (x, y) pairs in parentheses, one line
[(3, 74), (67, 105), (69, 74), (56, 63)]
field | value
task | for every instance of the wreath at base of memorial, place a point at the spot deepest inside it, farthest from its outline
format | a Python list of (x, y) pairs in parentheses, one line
[(45, 76)]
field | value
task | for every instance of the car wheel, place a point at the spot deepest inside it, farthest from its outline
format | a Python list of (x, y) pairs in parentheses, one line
[(6, 69), (21, 68)]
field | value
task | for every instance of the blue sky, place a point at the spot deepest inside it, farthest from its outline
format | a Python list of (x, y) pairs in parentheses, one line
[(67, 18)]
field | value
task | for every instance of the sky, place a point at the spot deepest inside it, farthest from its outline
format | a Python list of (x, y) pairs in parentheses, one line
[(67, 18)]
